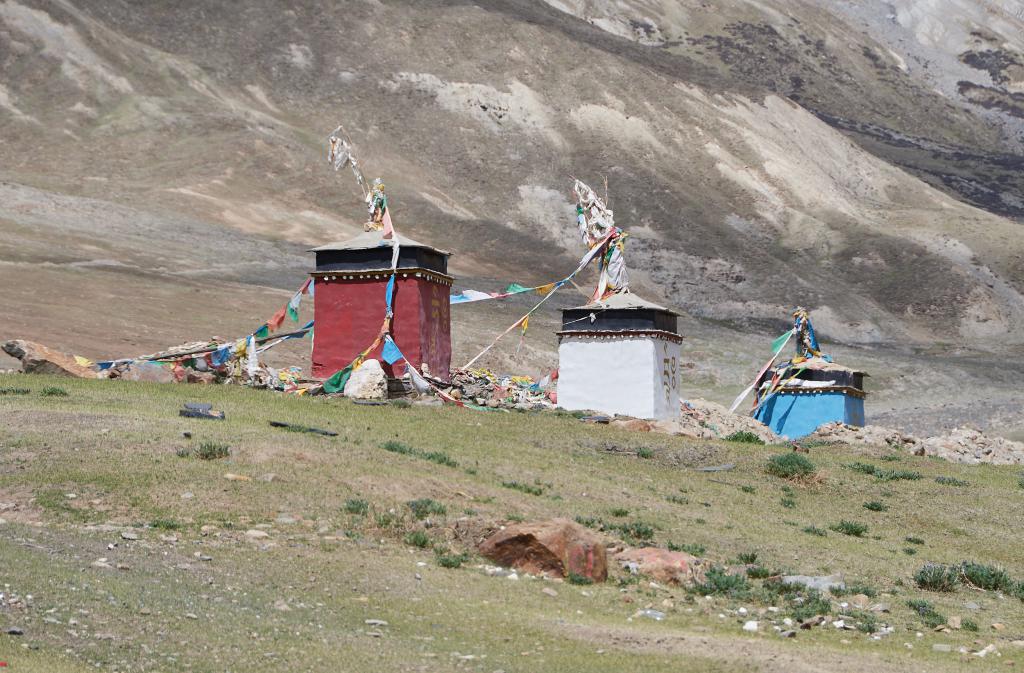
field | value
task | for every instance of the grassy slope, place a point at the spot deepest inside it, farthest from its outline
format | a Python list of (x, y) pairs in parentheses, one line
[(113, 446)]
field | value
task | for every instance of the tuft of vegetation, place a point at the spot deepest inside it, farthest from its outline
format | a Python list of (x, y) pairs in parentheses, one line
[(744, 437), (851, 528), (439, 457), (357, 506), (866, 622), (401, 404), (892, 457), (987, 577), (790, 466), (747, 557), (788, 503), (165, 524), (809, 604), (644, 452), (969, 625), (718, 582), (532, 489), (212, 451), (53, 391), (814, 530), (760, 572), (515, 518), (854, 589), (637, 530), (691, 549), (677, 500), (14, 391), (951, 481), (746, 488), (909, 551), (619, 511), (418, 538), (579, 580), (929, 615), (883, 475), (937, 577), (876, 506), (447, 559), (913, 540), (424, 507)]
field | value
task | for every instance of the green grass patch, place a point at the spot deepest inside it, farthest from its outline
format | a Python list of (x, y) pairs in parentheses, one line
[(937, 577), (744, 437), (14, 391), (951, 481), (913, 540), (747, 557), (746, 488), (927, 612), (448, 559), (718, 582), (876, 506), (424, 507), (790, 466), (619, 511), (689, 548), (53, 391), (165, 524), (883, 474), (814, 530), (212, 451), (532, 489), (418, 538), (760, 572), (988, 577), (645, 453), (357, 506), (578, 580), (851, 528), (439, 457), (788, 503)]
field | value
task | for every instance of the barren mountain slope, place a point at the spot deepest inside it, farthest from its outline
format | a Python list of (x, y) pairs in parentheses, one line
[(760, 155)]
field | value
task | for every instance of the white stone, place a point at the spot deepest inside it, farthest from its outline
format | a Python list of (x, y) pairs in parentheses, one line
[(632, 376), (368, 382), (750, 626)]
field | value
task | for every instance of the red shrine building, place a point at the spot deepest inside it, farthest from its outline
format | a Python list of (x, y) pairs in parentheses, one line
[(349, 287)]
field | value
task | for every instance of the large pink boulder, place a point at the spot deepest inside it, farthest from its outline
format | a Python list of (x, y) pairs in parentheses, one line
[(38, 359), (661, 565), (556, 548)]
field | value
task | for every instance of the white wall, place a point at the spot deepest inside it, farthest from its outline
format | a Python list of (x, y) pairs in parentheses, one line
[(628, 376)]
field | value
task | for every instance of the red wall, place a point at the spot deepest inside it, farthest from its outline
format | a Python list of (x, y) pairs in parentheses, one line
[(349, 314)]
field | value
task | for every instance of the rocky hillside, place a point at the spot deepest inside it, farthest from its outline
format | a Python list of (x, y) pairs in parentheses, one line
[(857, 157)]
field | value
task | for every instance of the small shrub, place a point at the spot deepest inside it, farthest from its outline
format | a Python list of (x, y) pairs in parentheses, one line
[(637, 530), (183, 452), (760, 572), (1020, 482), (677, 500), (937, 577), (897, 475), (811, 605), (790, 466), (14, 391), (619, 511), (866, 622), (401, 404), (579, 580), (909, 551), (397, 447), (165, 524), (746, 488), (213, 451), (814, 530), (951, 481), (591, 522), (357, 506), (418, 538), (747, 557), (386, 520), (644, 452), (913, 540), (424, 507), (53, 391), (969, 625), (876, 506), (720, 583), (524, 488), (788, 503), (448, 560), (863, 468), (515, 518), (439, 457), (744, 437), (692, 549), (854, 589), (927, 612), (986, 577), (851, 528), (892, 457)]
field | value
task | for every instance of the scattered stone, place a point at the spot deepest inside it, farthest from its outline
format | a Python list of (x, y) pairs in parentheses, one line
[(954, 622), (750, 626), (971, 605), (191, 615), (101, 563), (237, 477), (254, 534), (548, 591), (285, 520), (282, 605), (38, 359), (375, 622), (268, 477), (129, 535), (999, 626), (172, 538), (14, 631), (817, 620), (206, 529), (820, 583), (147, 372), (656, 615), (634, 424), (557, 547), (188, 495), (860, 601), (960, 445), (368, 382), (878, 607), (788, 634), (668, 567)]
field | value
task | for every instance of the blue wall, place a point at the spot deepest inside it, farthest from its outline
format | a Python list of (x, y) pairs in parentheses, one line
[(797, 415)]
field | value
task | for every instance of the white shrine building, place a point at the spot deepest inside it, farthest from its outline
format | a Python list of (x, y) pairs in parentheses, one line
[(620, 356)]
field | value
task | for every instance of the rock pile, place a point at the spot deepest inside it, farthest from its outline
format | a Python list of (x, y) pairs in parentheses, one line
[(961, 445), (701, 419)]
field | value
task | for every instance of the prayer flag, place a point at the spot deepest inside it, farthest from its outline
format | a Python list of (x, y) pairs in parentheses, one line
[(390, 353)]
